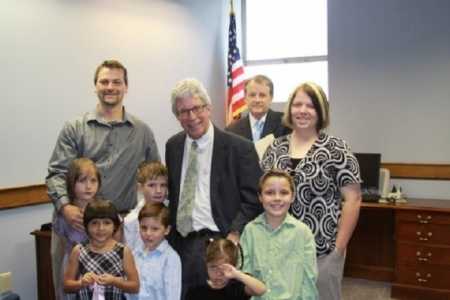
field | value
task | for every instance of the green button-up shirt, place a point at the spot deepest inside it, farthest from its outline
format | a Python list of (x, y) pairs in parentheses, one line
[(283, 258)]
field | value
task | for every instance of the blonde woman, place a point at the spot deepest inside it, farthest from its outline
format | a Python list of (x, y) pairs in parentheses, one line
[(325, 172)]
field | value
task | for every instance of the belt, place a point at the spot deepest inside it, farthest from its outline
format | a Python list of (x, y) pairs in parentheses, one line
[(202, 232)]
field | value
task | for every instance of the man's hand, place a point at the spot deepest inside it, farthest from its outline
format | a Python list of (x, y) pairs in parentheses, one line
[(73, 216)]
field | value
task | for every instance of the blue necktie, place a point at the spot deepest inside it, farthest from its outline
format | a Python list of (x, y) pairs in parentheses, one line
[(257, 130)]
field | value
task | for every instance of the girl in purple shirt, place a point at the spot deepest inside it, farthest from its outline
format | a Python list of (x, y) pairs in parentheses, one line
[(83, 181)]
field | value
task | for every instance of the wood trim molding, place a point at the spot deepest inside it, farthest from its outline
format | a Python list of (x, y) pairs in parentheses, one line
[(37, 194), (23, 196), (418, 171)]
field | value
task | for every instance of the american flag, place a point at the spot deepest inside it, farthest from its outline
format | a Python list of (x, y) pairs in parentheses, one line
[(235, 76)]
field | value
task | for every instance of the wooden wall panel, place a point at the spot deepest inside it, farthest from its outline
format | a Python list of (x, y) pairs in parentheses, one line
[(23, 196), (37, 194), (418, 171)]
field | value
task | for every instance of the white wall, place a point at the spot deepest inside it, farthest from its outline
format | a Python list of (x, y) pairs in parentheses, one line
[(389, 68), (49, 51)]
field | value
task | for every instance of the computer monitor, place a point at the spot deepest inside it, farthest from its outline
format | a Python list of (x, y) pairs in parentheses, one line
[(369, 164)]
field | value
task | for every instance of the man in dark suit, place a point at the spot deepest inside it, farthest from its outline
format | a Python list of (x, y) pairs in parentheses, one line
[(261, 120), (213, 178)]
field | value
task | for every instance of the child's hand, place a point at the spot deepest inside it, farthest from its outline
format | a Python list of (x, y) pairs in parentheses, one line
[(106, 279), (88, 279), (229, 271)]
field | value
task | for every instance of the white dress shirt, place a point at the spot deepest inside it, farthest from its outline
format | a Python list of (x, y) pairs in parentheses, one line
[(202, 213)]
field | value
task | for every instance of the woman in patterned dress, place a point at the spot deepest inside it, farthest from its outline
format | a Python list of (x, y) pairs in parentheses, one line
[(325, 172)]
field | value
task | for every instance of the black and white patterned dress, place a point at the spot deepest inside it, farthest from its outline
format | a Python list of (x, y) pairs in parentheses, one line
[(110, 262), (328, 166)]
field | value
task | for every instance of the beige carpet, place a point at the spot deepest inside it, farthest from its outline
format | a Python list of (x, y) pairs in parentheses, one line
[(360, 289)]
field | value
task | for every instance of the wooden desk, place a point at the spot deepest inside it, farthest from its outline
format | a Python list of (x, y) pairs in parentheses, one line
[(406, 244), (46, 290)]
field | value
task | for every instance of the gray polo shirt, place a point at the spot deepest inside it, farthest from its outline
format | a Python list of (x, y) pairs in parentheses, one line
[(117, 148)]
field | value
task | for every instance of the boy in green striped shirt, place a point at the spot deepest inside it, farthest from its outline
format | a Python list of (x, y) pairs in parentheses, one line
[(278, 249)]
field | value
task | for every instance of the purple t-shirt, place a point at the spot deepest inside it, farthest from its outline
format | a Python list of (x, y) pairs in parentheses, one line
[(73, 236)]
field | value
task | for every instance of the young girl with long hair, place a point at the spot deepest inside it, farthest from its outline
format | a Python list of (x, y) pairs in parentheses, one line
[(83, 180)]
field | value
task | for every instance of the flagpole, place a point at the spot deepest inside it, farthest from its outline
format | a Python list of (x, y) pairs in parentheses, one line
[(228, 114), (235, 73)]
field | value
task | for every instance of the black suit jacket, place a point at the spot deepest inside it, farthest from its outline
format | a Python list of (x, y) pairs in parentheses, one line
[(272, 125), (235, 172)]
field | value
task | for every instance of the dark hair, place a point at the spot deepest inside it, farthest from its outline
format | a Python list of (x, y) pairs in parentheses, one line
[(261, 79), (111, 64), (150, 170), (319, 101), (155, 210), (76, 168), (275, 173), (101, 209), (220, 248)]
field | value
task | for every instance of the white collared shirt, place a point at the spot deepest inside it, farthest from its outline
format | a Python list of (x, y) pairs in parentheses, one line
[(202, 213)]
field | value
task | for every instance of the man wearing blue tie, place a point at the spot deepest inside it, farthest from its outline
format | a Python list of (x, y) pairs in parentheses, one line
[(261, 120)]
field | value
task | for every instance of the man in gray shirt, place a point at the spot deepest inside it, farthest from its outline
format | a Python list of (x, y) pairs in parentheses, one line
[(115, 140)]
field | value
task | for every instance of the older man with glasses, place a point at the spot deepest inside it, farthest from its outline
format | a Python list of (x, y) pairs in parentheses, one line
[(213, 179)]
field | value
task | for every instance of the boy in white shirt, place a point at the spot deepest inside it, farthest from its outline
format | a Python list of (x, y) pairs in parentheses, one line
[(152, 185)]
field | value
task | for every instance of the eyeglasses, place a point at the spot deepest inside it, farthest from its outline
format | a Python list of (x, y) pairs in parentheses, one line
[(185, 113)]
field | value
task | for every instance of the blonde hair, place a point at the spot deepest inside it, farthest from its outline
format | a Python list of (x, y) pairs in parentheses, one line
[(276, 173), (319, 100), (150, 170)]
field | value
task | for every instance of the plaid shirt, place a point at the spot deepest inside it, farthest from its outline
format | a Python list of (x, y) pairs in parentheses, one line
[(110, 262)]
